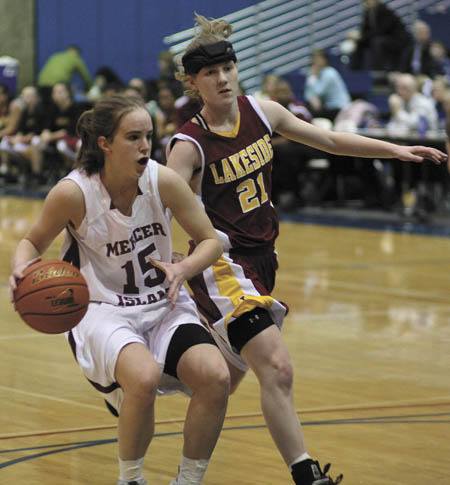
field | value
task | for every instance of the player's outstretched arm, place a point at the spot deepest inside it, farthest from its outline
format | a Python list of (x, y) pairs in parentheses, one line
[(350, 144)]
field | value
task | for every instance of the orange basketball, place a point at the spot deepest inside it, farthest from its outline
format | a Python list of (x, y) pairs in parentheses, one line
[(52, 297)]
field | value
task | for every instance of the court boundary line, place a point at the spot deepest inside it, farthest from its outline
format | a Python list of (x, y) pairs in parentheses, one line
[(431, 402)]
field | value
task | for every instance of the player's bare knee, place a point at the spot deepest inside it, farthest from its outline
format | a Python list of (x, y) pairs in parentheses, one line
[(281, 373), (215, 383), (222, 378), (142, 387)]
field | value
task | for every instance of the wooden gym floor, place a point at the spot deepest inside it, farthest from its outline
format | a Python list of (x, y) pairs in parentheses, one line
[(369, 335)]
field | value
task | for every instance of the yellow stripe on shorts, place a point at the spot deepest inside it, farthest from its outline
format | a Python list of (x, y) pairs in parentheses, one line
[(228, 286)]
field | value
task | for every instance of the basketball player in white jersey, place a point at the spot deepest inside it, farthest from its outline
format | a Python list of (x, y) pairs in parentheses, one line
[(141, 333)]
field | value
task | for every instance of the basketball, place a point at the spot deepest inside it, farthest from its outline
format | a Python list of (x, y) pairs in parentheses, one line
[(52, 297)]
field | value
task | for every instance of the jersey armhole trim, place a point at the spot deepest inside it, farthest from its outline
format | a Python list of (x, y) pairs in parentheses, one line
[(183, 137), (260, 112), (81, 229)]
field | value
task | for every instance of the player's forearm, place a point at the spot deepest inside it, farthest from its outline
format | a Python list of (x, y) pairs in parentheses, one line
[(205, 254), (25, 252), (360, 146)]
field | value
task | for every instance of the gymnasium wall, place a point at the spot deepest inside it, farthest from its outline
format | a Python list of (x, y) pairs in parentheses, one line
[(17, 35), (126, 35)]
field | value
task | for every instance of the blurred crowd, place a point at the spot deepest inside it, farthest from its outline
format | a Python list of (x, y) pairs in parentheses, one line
[(38, 139)]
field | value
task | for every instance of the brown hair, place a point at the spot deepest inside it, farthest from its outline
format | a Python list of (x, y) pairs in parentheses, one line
[(102, 120)]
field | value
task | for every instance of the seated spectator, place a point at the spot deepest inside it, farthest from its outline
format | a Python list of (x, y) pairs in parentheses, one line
[(417, 58), (359, 114), (439, 93), (410, 111), (167, 76), (167, 73), (441, 59), (10, 111), (103, 77), (59, 136), (4, 105), (139, 85), (268, 86), (447, 143), (282, 93), (60, 68), (136, 87), (31, 123), (290, 158), (167, 121), (325, 91), (382, 38)]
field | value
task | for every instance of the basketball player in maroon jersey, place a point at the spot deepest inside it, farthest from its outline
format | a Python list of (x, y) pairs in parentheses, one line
[(225, 154)]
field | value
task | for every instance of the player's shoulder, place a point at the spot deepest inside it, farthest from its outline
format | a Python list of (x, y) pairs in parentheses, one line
[(67, 196)]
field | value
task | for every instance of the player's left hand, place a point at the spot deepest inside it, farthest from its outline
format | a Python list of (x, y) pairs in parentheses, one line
[(419, 154)]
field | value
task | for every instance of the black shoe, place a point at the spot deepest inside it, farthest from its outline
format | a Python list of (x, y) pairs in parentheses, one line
[(308, 472)]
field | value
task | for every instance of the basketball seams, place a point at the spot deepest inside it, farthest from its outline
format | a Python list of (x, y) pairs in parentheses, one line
[(61, 284), (81, 308), (52, 297)]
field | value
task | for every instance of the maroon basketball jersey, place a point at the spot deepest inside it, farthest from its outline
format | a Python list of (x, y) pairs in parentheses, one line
[(237, 178)]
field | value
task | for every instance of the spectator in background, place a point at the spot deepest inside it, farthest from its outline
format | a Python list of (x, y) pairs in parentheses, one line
[(4, 105), (137, 87), (31, 123), (268, 87), (289, 157), (168, 120), (410, 111), (10, 111), (325, 91), (440, 56), (166, 76), (60, 68), (382, 38), (417, 58), (447, 144), (439, 94), (60, 136), (167, 73), (104, 76)]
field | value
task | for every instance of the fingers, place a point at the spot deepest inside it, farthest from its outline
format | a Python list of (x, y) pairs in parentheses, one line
[(173, 276), (166, 268), (432, 154), (32, 261), (158, 264), (12, 288), (173, 293)]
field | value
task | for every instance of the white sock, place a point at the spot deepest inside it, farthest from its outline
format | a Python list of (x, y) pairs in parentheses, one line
[(300, 458), (131, 469), (191, 471)]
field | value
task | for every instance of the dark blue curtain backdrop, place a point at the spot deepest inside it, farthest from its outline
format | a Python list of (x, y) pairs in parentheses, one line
[(126, 35)]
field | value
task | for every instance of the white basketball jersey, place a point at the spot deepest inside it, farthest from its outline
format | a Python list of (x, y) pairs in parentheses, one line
[(112, 249)]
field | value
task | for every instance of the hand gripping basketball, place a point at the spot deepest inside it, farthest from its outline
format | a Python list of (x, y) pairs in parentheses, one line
[(52, 296)]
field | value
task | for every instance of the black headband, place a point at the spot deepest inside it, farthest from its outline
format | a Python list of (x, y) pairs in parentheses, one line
[(207, 55)]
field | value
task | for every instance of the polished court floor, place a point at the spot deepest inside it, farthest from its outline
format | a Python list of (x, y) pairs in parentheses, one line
[(369, 335)]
